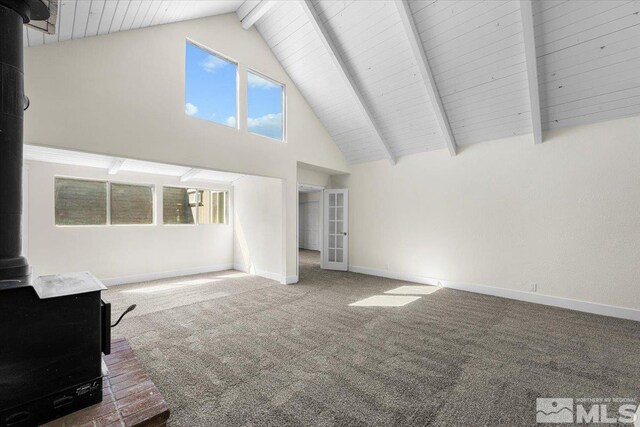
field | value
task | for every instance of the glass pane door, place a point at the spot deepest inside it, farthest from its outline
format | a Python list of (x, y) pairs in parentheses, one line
[(335, 229)]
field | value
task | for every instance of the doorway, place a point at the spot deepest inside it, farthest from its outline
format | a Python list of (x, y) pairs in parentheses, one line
[(310, 242)]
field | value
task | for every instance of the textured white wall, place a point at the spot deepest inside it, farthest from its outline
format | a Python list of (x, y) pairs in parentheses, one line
[(118, 251), (564, 214), (123, 95), (258, 228)]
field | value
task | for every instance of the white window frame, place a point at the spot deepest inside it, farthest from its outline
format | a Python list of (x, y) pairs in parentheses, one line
[(197, 215), (284, 105), (108, 183), (226, 58)]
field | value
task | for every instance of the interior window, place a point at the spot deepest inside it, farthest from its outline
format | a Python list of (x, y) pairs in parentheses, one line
[(80, 202)]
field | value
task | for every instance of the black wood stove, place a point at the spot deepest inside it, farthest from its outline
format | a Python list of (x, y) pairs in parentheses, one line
[(53, 329)]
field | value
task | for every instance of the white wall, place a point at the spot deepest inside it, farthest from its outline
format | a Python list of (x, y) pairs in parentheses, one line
[(120, 253), (564, 215), (309, 221), (123, 95), (258, 226)]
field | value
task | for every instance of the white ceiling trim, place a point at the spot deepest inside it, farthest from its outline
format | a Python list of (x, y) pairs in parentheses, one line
[(532, 68), (189, 175), (256, 13), (115, 165), (409, 26), (319, 28)]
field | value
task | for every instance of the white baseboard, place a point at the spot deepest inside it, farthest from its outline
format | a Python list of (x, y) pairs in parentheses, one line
[(290, 280), (165, 275), (266, 274), (536, 298)]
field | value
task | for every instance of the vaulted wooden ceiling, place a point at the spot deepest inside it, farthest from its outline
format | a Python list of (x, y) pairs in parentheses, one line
[(393, 78)]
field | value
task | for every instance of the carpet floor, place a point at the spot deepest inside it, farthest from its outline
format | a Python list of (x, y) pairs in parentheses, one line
[(230, 349)]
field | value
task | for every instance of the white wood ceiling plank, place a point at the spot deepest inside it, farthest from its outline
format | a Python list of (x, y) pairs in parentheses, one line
[(593, 104), (547, 5), (96, 13), (154, 7), (158, 18), (506, 129), (513, 107), (503, 118), (603, 18), (481, 35), (483, 65), (579, 18), (141, 14), (449, 62), (81, 19), (518, 69), (558, 13), (504, 126), (377, 70), (481, 76), (580, 68), (625, 70), (330, 8), (419, 5), (307, 44), (288, 17), (66, 12), (107, 16), (617, 113), (118, 16), (441, 12), (584, 92), (464, 23), (485, 91), (289, 32), (132, 11), (618, 42), (169, 11), (277, 17), (346, 77), (359, 17), (371, 41), (376, 45), (493, 102), (606, 28)]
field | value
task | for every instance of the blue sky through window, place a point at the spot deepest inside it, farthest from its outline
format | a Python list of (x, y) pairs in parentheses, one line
[(265, 100), (211, 84)]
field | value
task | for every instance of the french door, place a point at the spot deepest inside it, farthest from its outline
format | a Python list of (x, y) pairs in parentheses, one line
[(335, 230)]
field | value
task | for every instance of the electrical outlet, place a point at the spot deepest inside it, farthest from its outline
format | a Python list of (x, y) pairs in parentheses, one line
[(533, 287)]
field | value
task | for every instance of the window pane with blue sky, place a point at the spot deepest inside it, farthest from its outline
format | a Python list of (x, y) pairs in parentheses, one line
[(265, 107), (211, 87)]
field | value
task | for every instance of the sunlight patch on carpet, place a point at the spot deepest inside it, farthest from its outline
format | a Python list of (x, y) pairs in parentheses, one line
[(385, 301), (413, 290)]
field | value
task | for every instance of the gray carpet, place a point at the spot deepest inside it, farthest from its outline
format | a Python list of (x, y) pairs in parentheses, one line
[(228, 349)]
